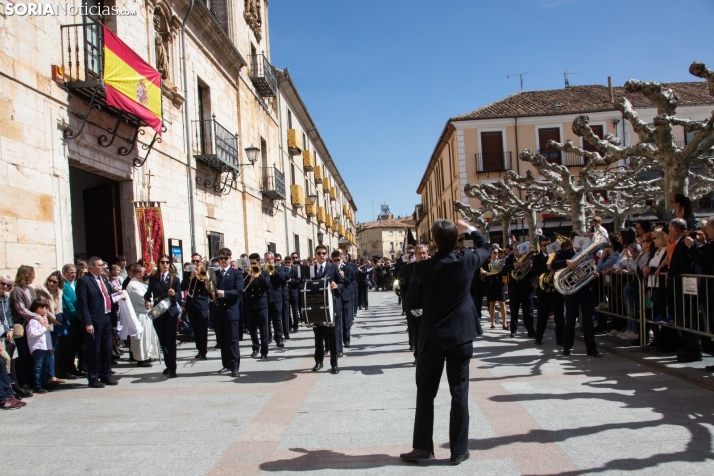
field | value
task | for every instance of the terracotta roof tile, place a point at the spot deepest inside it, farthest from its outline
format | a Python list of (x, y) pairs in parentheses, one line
[(579, 100)]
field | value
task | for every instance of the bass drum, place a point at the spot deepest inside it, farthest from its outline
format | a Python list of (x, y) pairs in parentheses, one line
[(317, 298)]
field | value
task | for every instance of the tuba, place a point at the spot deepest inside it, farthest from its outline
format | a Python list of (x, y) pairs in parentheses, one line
[(520, 273), (494, 267), (545, 281), (568, 281)]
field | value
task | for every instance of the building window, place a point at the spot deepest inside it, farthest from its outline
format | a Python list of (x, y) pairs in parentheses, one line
[(391, 232), (491, 156), (310, 249), (391, 247), (292, 174), (271, 247), (290, 119), (304, 142), (215, 243), (401, 232), (296, 244), (598, 131), (544, 135)]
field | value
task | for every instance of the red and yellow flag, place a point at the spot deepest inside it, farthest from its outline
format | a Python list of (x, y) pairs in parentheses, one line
[(132, 84)]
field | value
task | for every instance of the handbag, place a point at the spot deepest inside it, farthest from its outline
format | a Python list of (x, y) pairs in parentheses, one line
[(18, 331)]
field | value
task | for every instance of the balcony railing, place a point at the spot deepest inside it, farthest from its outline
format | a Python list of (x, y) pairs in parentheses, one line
[(572, 159), (494, 161), (262, 76), (82, 52), (554, 156), (273, 183), (217, 146)]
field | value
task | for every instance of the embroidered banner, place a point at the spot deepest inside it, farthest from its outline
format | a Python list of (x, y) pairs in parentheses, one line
[(151, 232), (131, 83)]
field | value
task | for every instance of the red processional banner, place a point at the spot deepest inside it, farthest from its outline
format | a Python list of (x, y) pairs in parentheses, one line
[(151, 232)]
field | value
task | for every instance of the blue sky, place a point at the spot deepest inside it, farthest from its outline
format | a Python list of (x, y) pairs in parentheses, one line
[(381, 78)]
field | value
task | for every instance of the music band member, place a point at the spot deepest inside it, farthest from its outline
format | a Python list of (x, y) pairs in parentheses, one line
[(276, 282), (413, 315), (440, 286), (195, 283), (550, 300), (165, 284), (348, 277), (293, 293), (364, 271), (582, 301), (520, 294), (227, 287), (495, 289), (280, 265), (256, 306), (321, 269)]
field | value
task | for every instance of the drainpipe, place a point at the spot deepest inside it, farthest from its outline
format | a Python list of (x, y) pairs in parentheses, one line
[(451, 178), (187, 126)]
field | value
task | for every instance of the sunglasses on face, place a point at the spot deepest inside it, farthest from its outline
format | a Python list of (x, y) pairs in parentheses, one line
[(163, 261), (195, 261), (224, 258), (5, 284), (53, 281), (321, 253)]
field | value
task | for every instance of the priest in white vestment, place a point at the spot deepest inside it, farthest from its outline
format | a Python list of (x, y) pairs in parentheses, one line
[(144, 347)]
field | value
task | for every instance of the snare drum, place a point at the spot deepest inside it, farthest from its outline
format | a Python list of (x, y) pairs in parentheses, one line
[(160, 308)]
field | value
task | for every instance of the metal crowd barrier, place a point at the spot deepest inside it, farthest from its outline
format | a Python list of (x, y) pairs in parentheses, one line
[(611, 300), (688, 300)]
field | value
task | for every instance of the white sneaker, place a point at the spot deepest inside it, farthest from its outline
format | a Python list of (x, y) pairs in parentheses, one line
[(612, 333), (625, 335)]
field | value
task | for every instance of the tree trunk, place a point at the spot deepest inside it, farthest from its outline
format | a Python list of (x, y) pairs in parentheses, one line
[(506, 225), (676, 180), (577, 213), (618, 220), (531, 220)]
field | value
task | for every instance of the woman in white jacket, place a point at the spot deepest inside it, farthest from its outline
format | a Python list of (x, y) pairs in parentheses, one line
[(144, 347)]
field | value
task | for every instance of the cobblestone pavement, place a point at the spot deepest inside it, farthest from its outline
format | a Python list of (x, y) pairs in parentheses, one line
[(532, 412)]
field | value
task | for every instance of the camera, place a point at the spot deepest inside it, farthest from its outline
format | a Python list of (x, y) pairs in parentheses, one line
[(190, 268)]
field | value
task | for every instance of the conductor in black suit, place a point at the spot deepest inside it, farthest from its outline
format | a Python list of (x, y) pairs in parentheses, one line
[(164, 283), (227, 288), (95, 304), (440, 287)]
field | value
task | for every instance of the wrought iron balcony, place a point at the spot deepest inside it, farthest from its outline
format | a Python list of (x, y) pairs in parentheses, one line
[(263, 76), (273, 183), (218, 149), (82, 74), (494, 161), (554, 156)]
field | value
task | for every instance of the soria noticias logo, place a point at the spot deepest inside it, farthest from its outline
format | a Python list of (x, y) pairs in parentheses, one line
[(20, 9)]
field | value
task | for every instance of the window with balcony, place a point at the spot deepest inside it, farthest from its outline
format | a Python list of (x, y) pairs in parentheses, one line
[(492, 157), (544, 135)]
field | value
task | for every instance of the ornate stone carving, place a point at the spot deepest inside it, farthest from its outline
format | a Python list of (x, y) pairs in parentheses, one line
[(253, 17), (162, 44)]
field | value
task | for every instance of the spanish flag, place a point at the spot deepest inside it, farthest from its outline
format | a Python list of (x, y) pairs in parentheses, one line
[(132, 84)]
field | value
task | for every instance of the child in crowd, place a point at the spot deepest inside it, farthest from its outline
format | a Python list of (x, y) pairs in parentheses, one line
[(39, 340)]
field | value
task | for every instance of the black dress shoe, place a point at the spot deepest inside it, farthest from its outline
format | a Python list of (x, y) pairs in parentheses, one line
[(198, 356), (22, 393), (109, 381), (458, 459), (39, 390), (531, 334), (223, 370), (172, 374), (280, 344), (566, 351), (347, 345), (264, 357), (689, 358), (96, 384), (234, 373), (317, 367), (513, 334), (203, 357), (254, 354), (340, 354), (417, 455), (411, 348), (69, 377), (538, 342), (595, 354), (165, 372), (335, 370), (145, 363)]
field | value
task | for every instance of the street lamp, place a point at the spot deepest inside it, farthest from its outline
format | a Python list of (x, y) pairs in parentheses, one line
[(252, 154), (311, 194), (320, 236)]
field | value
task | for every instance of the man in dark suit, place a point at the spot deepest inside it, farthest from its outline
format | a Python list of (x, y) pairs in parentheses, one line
[(275, 299), (256, 307), (548, 301), (420, 253), (323, 268), (96, 310), (701, 252), (197, 304), (440, 287), (285, 270), (293, 287), (520, 294), (228, 294), (685, 307)]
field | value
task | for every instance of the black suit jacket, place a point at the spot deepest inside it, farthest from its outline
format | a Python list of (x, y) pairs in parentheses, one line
[(405, 276), (199, 301), (680, 263), (227, 308), (256, 291), (441, 287), (703, 257), (276, 282), (90, 300), (540, 264), (295, 284), (159, 290), (347, 280)]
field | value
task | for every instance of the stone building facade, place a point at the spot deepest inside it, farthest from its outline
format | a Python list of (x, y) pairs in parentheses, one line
[(384, 237), (70, 175)]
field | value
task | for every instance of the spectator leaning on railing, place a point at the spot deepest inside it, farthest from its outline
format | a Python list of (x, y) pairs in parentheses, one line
[(701, 252)]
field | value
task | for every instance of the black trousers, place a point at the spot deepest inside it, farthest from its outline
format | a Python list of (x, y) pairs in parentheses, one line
[(165, 326), (275, 314), (430, 365), (325, 334), (25, 363), (353, 300), (258, 322), (294, 313), (582, 302), (98, 350), (68, 346), (339, 325), (363, 295), (477, 297), (522, 298), (346, 322), (286, 317), (199, 321), (550, 302), (413, 325), (230, 347)]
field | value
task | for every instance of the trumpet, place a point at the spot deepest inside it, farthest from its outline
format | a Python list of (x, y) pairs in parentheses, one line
[(269, 268), (201, 275), (254, 270)]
